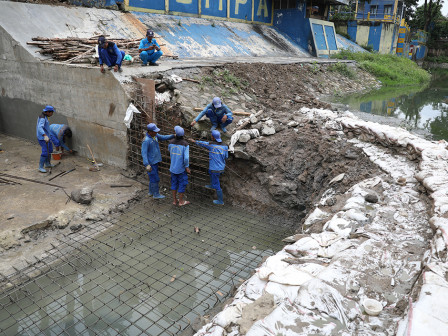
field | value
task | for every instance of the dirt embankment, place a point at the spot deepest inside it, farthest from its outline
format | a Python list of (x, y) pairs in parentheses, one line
[(286, 170)]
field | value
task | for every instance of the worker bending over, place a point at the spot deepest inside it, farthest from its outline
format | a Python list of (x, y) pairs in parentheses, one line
[(152, 156), (43, 136), (218, 113), (180, 162), (60, 132), (217, 153)]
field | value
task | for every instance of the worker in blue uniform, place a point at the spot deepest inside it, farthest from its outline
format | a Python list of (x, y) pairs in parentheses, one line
[(44, 136), (179, 167), (152, 156), (109, 53), (149, 49), (217, 153), (218, 113), (60, 132)]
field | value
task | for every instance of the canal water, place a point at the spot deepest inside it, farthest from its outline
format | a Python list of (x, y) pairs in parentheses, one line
[(152, 272), (424, 108)]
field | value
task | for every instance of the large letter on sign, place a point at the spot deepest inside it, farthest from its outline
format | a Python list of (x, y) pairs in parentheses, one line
[(263, 6), (207, 4), (237, 4), (186, 2)]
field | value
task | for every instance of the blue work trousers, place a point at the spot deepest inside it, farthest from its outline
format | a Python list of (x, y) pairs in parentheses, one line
[(214, 179), (179, 182), (47, 148), (109, 59), (154, 174), (216, 120), (152, 58)]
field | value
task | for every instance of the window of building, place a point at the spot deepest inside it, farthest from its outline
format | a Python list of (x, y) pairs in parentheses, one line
[(373, 10), (388, 10), (285, 4)]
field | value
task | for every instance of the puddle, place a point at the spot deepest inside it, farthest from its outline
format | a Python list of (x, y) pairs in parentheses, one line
[(149, 274)]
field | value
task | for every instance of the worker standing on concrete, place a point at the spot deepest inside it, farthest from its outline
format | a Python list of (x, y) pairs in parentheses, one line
[(149, 49), (218, 113), (180, 162), (152, 156), (109, 53), (43, 136), (217, 153), (60, 132)]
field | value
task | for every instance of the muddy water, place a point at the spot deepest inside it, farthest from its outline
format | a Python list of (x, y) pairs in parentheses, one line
[(149, 274), (417, 107)]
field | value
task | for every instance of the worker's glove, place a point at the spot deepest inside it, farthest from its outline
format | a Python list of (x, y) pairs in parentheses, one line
[(148, 168), (46, 138)]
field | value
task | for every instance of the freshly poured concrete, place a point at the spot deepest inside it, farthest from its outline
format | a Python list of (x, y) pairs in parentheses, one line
[(150, 274)]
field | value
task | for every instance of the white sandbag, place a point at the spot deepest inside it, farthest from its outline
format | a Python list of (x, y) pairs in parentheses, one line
[(254, 133)]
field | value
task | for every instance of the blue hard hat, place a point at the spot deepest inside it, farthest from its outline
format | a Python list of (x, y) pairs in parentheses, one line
[(216, 135), (217, 102), (149, 32), (48, 108), (179, 131), (152, 127), (101, 41)]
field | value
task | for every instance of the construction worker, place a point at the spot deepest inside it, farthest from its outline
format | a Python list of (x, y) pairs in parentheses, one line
[(217, 153), (180, 162), (149, 49), (60, 132), (152, 156), (43, 136), (218, 113), (109, 53)]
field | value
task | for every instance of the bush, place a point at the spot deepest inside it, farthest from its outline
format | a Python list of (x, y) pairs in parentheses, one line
[(391, 70), (343, 69)]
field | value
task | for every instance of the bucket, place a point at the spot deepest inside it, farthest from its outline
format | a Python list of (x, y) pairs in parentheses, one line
[(56, 156)]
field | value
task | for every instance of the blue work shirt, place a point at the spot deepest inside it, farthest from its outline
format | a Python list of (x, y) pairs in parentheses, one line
[(113, 51), (57, 131), (180, 155), (217, 155), (145, 43), (220, 111), (151, 150), (42, 127)]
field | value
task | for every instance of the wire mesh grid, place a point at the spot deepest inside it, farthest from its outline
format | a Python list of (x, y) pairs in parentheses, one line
[(166, 117), (147, 274)]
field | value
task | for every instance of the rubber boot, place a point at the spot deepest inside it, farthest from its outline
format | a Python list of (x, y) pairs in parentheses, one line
[(41, 164), (150, 193), (220, 196), (48, 163), (224, 129), (213, 127), (155, 191)]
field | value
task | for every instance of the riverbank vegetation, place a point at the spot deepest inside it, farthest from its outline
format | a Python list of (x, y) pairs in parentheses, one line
[(391, 70)]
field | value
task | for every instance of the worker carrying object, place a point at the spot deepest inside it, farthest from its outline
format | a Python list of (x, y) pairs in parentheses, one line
[(109, 53), (60, 133), (151, 157), (149, 49), (217, 153), (218, 113), (43, 136), (179, 167)]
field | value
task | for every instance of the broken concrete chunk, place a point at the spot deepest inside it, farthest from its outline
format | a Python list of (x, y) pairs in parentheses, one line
[(82, 196), (244, 138), (267, 130), (76, 227)]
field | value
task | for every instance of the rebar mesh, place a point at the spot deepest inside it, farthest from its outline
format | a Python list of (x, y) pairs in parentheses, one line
[(147, 274)]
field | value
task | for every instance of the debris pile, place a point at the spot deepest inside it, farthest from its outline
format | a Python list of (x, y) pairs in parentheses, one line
[(369, 244)]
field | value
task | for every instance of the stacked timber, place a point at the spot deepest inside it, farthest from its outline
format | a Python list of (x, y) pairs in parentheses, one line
[(80, 50)]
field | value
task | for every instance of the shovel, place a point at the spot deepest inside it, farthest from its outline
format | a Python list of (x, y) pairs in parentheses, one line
[(96, 168)]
